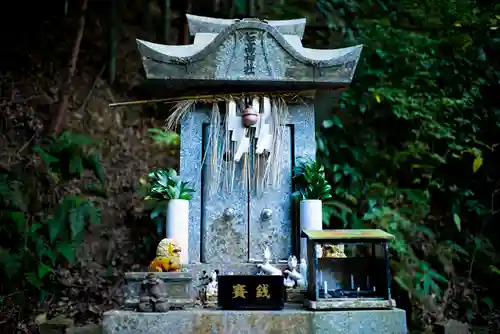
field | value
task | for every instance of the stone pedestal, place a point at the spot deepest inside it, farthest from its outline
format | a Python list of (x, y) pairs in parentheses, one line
[(210, 302), (347, 303), (178, 289), (290, 321), (295, 296)]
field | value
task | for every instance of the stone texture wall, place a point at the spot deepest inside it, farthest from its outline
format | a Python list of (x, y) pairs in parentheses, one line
[(290, 321)]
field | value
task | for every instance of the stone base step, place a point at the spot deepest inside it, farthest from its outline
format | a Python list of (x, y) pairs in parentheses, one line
[(291, 320)]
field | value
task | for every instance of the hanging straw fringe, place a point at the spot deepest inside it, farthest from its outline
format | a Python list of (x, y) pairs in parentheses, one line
[(260, 172), (215, 166), (179, 110)]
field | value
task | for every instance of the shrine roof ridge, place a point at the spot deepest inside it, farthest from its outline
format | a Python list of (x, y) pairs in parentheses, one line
[(203, 24), (347, 234)]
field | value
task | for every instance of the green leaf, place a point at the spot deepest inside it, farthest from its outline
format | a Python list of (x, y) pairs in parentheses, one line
[(402, 283), (43, 270), (163, 137), (55, 228), (67, 250), (328, 123), (72, 138), (458, 222), (33, 279), (156, 213), (77, 222), (35, 227), (296, 196), (76, 165), (337, 177), (19, 220), (93, 162), (495, 270), (478, 162), (488, 302), (94, 216), (457, 248), (335, 121), (49, 159), (438, 276), (49, 253), (10, 262)]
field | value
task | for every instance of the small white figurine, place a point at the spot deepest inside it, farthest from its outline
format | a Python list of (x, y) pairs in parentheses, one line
[(266, 267), (303, 270), (288, 281), (213, 286), (292, 272), (319, 251)]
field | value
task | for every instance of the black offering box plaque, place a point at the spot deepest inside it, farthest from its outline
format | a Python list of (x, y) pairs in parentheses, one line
[(245, 292)]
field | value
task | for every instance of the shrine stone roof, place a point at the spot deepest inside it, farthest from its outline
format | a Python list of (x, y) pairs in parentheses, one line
[(249, 52)]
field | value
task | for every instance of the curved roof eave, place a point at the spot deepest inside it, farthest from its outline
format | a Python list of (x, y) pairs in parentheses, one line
[(186, 54)]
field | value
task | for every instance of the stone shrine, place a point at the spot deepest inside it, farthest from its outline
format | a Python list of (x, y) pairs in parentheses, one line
[(242, 176)]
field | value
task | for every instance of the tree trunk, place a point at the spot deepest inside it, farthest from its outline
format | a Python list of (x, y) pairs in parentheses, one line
[(66, 90)]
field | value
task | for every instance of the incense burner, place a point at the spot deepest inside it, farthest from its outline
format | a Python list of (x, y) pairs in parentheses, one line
[(358, 277)]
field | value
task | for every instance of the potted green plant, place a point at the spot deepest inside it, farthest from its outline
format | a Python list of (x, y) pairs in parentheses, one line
[(312, 189), (166, 187)]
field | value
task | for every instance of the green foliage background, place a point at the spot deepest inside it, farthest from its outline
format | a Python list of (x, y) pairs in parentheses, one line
[(412, 146), (42, 226)]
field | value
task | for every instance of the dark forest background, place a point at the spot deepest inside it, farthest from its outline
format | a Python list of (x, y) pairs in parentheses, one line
[(412, 147)]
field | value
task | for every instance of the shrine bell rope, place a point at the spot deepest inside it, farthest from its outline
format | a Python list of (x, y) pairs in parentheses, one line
[(247, 138)]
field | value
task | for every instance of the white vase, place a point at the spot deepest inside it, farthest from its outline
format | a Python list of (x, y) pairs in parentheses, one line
[(178, 225), (311, 218)]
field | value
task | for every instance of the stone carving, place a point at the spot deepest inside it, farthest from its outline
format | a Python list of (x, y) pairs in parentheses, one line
[(167, 257), (294, 282), (175, 287), (213, 286), (209, 287), (293, 274), (152, 297), (266, 267), (251, 39), (288, 282), (202, 287)]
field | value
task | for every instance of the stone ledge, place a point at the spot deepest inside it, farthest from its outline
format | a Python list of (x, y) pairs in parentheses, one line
[(290, 321)]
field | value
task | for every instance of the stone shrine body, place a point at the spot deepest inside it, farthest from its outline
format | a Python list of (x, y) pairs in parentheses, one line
[(242, 175), (229, 230)]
